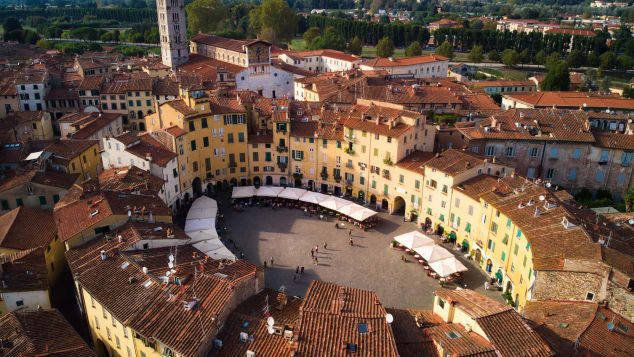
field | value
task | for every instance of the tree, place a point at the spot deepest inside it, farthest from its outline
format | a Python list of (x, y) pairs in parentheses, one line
[(540, 57), (524, 56), (43, 44), (605, 84), (625, 62), (414, 49), (552, 59), (205, 15), (477, 25), (15, 35), (11, 24), (445, 50), (30, 37), (385, 47), (587, 15), (384, 19), (493, 56), (607, 60), (333, 39), (510, 57), (477, 54), (310, 34), (355, 46), (575, 59), (629, 199), (628, 92), (557, 79), (274, 21), (592, 60)]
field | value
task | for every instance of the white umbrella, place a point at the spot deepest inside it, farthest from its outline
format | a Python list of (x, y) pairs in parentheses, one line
[(313, 197), (362, 213), (349, 209), (334, 203), (204, 202), (200, 224), (243, 192), (292, 193), (268, 191), (433, 253), (414, 239), (447, 266), (200, 213), (197, 236)]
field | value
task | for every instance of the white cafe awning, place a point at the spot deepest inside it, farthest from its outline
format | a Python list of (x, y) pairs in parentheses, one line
[(268, 191), (313, 197), (200, 224), (292, 193), (243, 192), (447, 266), (433, 253), (334, 203), (414, 239)]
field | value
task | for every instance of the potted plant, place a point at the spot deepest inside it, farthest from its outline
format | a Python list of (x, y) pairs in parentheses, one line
[(388, 161), (348, 150), (337, 178), (324, 175), (297, 176)]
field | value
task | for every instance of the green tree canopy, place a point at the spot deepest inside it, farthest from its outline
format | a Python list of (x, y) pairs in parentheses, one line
[(385, 47), (310, 35), (477, 54), (414, 49), (557, 79), (355, 46), (625, 62), (205, 15), (274, 21), (575, 59), (493, 56), (510, 58), (540, 57), (445, 50), (11, 24), (43, 44)]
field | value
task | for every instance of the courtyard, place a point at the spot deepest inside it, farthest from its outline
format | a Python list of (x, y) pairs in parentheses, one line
[(288, 235)]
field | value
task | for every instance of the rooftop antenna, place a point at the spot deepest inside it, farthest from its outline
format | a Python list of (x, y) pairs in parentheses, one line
[(607, 243), (265, 309)]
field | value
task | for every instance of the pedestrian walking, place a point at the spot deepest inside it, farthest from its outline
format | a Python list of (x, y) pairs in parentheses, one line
[(301, 270), (351, 242), (295, 277), (350, 233), (325, 245), (316, 261), (297, 270), (312, 252), (317, 249), (272, 261)]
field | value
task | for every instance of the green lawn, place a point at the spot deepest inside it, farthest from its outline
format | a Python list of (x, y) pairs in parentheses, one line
[(506, 73)]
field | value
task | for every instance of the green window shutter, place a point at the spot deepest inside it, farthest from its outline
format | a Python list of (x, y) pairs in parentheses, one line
[(385, 188), (506, 239), (442, 217), (373, 184), (503, 256), (516, 249), (293, 154), (362, 180), (301, 155), (458, 221), (451, 217), (468, 227), (429, 211), (413, 199)]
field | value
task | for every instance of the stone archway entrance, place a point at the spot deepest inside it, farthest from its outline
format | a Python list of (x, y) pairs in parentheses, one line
[(385, 204), (372, 199), (197, 187), (311, 185), (269, 180), (256, 181), (283, 181), (233, 182), (361, 196), (399, 206)]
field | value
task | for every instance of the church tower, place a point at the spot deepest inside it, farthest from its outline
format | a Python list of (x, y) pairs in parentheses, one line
[(172, 31)]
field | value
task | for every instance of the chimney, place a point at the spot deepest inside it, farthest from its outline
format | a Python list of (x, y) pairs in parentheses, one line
[(536, 211), (148, 156)]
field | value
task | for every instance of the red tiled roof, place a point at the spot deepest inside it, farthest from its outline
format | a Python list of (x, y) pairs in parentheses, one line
[(225, 106), (483, 84), (17, 230), (180, 106), (70, 149), (24, 271), (575, 32), (411, 338), (52, 178), (415, 161), (330, 316), (454, 162), (160, 154), (464, 344), (124, 179), (89, 126), (406, 61), (226, 43), (572, 100), (40, 333), (83, 214)]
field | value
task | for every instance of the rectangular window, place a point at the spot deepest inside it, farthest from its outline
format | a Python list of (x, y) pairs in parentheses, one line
[(444, 188), (519, 233), (240, 137), (533, 152), (205, 141), (599, 176), (494, 228), (230, 138), (626, 158), (5, 205), (524, 262), (376, 152), (605, 155), (385, 189), (193, 145), (554, 153), (505, 241), (43, 200), (468, 227), (573, 174), (576, 154), (373, 184), (621, 179), (489, 150), (401, 179), (203, 122), (517, 248), (503, 256), (417, 184)]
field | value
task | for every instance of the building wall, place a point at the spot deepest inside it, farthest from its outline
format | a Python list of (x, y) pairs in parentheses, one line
[(423, 70), (140, 104), (8, 103), (30, 300), (172, 32), (32, 195), (87, 164), (31, 95), (272, 83)]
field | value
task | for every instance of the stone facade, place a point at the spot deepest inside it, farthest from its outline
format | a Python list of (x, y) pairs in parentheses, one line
[(172, 31)]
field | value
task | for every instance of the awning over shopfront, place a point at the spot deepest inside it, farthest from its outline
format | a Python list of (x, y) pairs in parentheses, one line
[(447, 266), (292, 193), (414, 239), (268, 191), (243, 192), (433, 253)]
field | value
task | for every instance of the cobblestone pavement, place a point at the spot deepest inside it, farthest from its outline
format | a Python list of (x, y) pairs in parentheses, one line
[(288, 236)]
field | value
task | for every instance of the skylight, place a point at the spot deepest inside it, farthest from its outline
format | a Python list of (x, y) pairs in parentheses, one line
[(452, 334), (124, 265), (147, 283), (363, 327)]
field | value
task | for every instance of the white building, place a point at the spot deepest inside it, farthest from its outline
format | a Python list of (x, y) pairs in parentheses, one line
[(321, 60), (32, 88), (147, 154), (260, 75), (417, 67), (172, 32)]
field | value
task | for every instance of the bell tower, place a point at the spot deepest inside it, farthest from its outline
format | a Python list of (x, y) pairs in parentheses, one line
[(172, 31)]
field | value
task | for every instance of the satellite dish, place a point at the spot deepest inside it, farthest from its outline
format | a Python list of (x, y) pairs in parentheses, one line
[(270, 330), (541, 197), (171, 258), (389, 318), (270, 321), (170, 265)]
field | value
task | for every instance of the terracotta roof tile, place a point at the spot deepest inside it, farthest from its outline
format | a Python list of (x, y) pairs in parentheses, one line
[(573, 100), (24, 271), (409, 332), (148, 145), (614, 140), (180, 106), (17, 230), (406, 61), (52, 178), (40, 333), (225, 106), (463, 344), (70, 149), (453, 162), (125, 180)]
